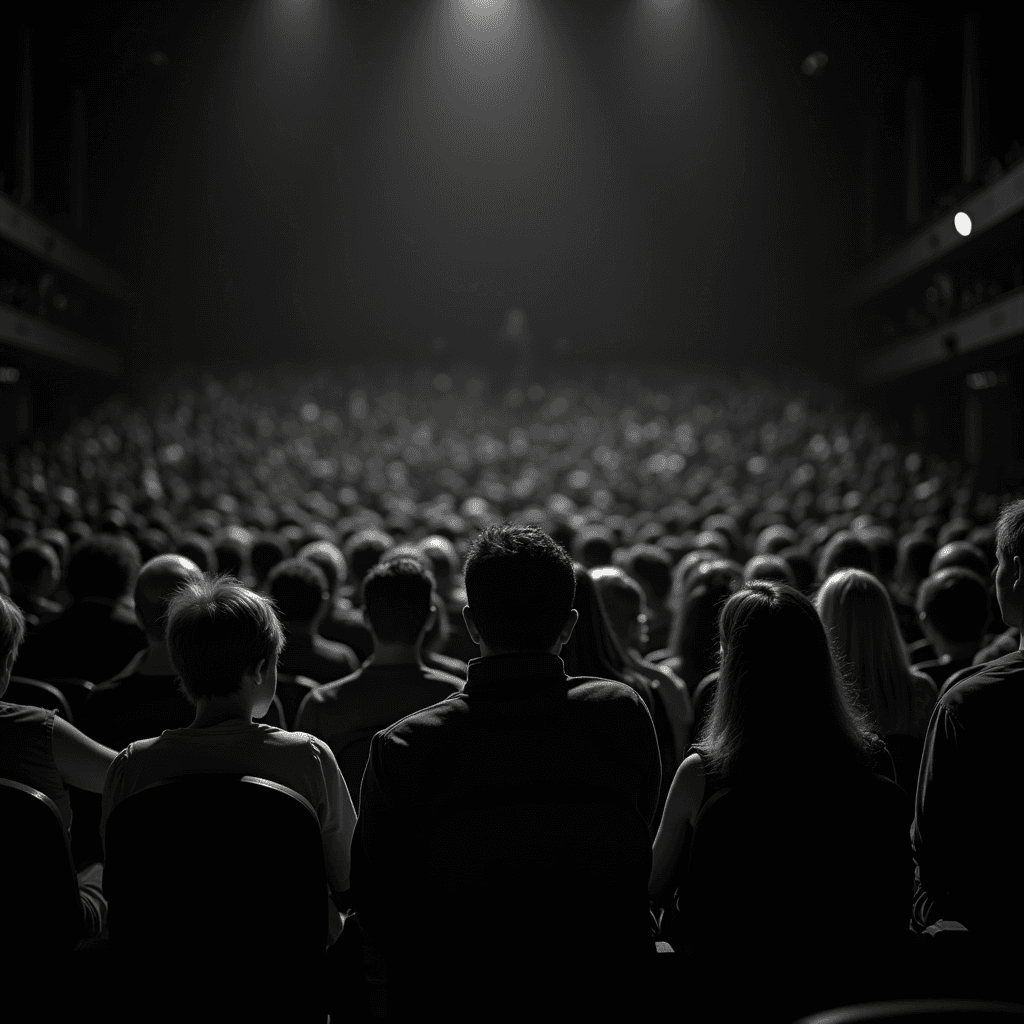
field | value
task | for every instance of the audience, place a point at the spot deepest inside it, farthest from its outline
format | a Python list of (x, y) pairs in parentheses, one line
[(145, 698), (97, 635), (967, 833), (400, 604), (35, 573), (300, 593), (651, 567), (40, 749), (476, 775), (224, 641)]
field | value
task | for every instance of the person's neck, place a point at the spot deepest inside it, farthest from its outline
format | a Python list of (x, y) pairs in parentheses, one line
[(396, 654), (157, 661), (218, 711)]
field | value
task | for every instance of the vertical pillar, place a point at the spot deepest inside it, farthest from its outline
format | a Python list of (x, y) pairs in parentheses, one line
[(24, 140), (970, 108), (913, 138), (79, 160)]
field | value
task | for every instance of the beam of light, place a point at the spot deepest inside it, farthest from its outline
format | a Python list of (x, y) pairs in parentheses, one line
[(483, 32), (962, 223)]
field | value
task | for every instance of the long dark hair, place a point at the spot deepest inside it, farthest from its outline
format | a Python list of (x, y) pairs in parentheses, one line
[(694, 636), (780, 692)]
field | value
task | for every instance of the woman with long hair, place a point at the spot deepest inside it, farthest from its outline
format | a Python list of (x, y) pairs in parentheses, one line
[(793, 758), (858, 615)]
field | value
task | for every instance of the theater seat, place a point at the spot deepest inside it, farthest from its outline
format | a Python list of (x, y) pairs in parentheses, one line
[(220, 873), (40, 907), (290, 692), (38, 694), (927, 1011), (76, 690)]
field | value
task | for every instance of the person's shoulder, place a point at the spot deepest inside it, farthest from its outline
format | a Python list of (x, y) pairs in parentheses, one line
[(595, 690), (444, 680), (986, 681), (425, 720)]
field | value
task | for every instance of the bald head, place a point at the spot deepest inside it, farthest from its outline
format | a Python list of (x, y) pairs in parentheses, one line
[(158, 581)]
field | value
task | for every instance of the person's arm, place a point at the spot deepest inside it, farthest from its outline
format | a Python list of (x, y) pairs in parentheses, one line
[(338, 819), (684, 798), (82, 762), (939, 812)]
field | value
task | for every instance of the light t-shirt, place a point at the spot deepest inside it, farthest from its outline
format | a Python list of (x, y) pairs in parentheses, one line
[(293, 759)]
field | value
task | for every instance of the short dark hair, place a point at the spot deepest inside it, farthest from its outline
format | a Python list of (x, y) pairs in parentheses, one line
[(217, 630), (915, 552), (769, 567), (774, 539), (12, 626), (520, 587), (297, 587), (651, 566), (267, 551), (955, 601), (397, 597), (232, 554), (30, 561), (594, 546), (328, 557), (882, 542), (364, 549), (961, 553), (801, 566), (844, 551), (103, 565), (1010, 531)]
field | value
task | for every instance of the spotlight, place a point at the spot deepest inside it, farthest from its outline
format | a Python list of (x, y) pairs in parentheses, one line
[(814, 64), (962, 223)]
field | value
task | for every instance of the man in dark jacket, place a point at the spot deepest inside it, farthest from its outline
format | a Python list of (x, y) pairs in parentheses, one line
[(505, 832)]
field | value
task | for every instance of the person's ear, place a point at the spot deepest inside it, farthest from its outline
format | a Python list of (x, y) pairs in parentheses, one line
[(570, 625), (258, 672), (467, 618)]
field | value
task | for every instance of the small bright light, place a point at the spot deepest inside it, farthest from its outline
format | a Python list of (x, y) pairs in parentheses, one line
[(814, 64), (962, 223)]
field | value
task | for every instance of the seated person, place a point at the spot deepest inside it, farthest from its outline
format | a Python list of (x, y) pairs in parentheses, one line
[(953, 609), (40, 749), (363, 551), (400, 606), (768, 567), (783, 736), (97, 635), (328, 557), (145, 697), (224, 642), (915, 552), (523, 771), (846, 550), (651, 567), (967, 829), (35, 573), (267, 551), (299, 590)]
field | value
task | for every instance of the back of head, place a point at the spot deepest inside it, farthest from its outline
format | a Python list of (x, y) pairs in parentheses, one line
[(12, 628), (102, 566), (594, 546), (914, 556), (267, 551), (882, 542), (683, 573), (520, 586), (364, 550), (231, 550), (444, 560), (652, 567), (153, 542), (398, 595), (1009, 533), (846, 550), (593, 649), (58, 540), (299, 590), (955, 603), (694, 636), (331, 561), (217, 630), (621, 596), (954, 530), (35, 570), (159, 580), (198, 548), (779, 688), (858, 615), (768, 567), (959, 553), (775, 538)]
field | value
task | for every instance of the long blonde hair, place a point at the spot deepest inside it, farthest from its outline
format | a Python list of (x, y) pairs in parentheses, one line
[(858, 615)]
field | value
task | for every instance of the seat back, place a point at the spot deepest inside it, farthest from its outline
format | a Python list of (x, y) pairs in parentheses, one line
[(926, 1011), (75, 690), (38, 694), (216, 864), (290, 692), (40, 908)]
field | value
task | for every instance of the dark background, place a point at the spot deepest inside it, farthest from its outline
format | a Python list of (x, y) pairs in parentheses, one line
[(648, 178)]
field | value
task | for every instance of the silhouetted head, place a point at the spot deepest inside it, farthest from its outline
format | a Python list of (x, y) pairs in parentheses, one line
[(398, 600), (159, 580), (102, 566)]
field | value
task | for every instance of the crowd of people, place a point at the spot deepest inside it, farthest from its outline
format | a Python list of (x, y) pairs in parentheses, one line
[(627, 687)]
